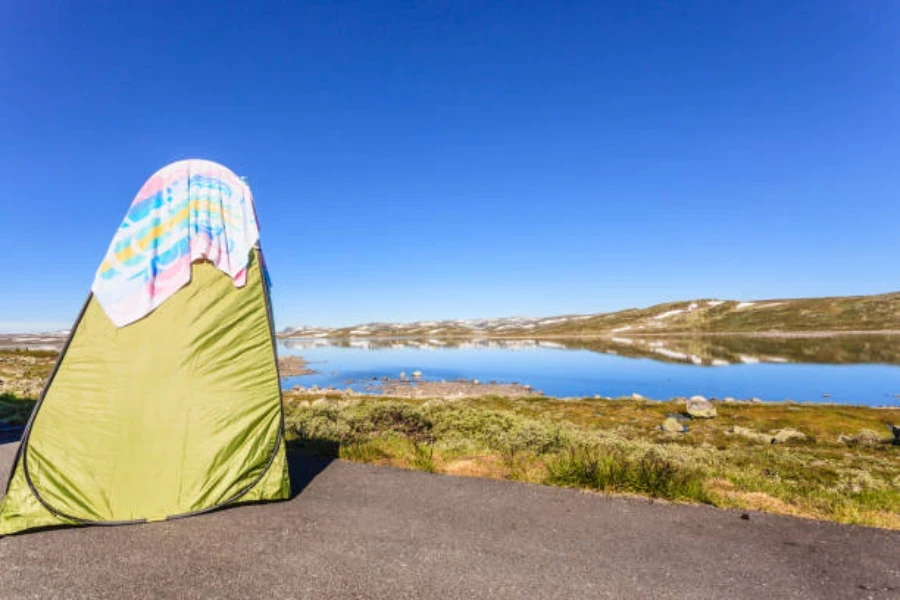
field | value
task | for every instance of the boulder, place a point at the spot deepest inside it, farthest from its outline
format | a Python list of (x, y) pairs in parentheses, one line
[(779, 436), (895, 429), (865, 437), (699, 407), (417, 374), (672, 425)]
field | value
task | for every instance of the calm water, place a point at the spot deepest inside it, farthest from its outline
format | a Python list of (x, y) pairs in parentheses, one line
[(857, 371)]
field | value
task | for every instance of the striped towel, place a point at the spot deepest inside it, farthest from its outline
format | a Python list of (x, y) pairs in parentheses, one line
[(187, 211)]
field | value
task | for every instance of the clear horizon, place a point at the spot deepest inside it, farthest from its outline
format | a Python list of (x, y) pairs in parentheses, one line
[(457, 161)]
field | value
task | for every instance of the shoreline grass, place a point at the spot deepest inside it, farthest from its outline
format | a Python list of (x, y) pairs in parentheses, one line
[(614, 446)]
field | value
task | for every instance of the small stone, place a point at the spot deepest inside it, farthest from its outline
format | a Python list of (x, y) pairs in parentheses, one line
[(745, 516), (751, 434), (699, 407), (637, 396), (672, 425), (417, 374), (785, 435)]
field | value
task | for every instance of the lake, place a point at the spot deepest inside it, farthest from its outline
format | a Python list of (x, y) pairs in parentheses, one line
[(850, 369)]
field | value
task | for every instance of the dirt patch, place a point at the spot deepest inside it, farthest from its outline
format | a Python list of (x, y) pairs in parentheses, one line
[(485, 466)]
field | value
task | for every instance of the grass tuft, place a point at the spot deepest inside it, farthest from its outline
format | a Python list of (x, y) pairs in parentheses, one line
[(616, 470)]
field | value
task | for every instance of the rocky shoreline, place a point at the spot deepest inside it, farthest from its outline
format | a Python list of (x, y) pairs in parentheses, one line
[(415, 388), (293, 366)]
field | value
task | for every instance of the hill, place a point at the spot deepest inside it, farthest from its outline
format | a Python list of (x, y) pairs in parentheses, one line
[(805, 315)]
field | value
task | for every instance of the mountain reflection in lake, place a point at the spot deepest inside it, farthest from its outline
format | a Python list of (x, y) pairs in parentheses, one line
[(854, 369)]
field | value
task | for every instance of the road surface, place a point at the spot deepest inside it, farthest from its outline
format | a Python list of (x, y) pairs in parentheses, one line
[(360, 531)]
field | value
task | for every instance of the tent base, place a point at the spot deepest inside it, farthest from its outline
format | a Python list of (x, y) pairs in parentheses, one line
[(21, 510)]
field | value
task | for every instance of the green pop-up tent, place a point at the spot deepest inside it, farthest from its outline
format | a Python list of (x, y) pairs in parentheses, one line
[(165, 401)]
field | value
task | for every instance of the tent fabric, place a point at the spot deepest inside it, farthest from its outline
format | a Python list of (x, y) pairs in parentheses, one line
[(176, 414), (187, 211)]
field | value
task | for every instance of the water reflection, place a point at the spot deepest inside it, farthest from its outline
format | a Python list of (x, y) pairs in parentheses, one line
[(703, 350)]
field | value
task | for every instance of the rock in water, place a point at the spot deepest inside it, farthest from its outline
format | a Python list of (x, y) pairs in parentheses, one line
[(699, 407), (672, 425)]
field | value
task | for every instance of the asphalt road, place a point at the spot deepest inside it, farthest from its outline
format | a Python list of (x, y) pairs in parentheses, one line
[(358, 531)]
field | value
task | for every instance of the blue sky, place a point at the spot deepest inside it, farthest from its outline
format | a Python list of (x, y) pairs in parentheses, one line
[(459, 159)]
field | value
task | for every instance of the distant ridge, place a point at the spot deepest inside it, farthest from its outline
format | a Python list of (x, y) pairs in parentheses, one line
[(805, 315)]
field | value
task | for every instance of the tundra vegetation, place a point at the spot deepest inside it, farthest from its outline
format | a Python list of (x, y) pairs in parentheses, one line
[(22, 376), (826, 461)]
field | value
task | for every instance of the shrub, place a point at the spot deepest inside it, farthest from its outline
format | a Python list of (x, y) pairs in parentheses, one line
[(403, 419), (503, 432)]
